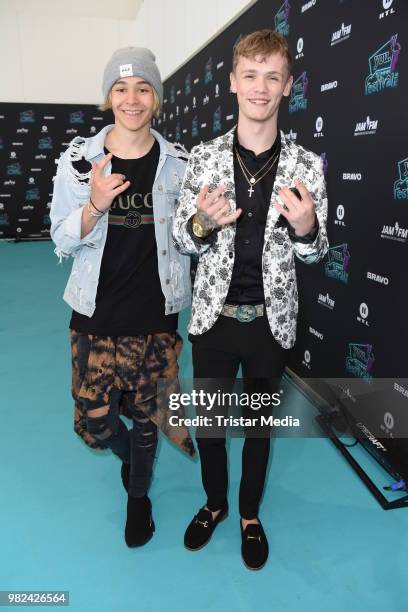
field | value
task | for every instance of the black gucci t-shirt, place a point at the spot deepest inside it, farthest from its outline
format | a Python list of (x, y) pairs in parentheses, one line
[(129, 299)]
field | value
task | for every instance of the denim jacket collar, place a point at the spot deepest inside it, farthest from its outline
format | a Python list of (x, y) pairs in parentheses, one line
[(95, 144)]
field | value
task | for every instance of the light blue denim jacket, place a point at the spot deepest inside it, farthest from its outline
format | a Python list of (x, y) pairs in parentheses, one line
[(72, 190)]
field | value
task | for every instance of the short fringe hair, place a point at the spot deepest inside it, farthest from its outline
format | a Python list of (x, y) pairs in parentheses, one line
[(262, 43), (107, 104)]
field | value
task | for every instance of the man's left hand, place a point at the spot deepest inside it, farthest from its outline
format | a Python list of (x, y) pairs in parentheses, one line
[(300, 213)]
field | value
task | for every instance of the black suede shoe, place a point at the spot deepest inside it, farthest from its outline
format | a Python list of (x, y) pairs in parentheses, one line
[(139, 523), (201, 528), (125, 474), (254, 547)]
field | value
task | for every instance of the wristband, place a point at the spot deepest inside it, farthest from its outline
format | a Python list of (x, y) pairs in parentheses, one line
[(92, 213), (99, 211)]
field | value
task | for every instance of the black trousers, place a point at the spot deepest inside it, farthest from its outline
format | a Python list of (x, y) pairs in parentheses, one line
[(217, 355)]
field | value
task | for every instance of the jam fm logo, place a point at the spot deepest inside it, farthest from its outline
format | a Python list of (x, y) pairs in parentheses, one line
[(401, 184), (27, 117), (76, 117), (360, 360), (282, 19), (187, 85), (338, 263), (298, 100), (382, 66)]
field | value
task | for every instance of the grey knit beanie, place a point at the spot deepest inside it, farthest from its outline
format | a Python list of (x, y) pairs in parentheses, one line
[(132, 61)]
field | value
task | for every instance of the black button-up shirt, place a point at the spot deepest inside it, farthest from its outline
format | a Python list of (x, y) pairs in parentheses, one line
[(246, 285)]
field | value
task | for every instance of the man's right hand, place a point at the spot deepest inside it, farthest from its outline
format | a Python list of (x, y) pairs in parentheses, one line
[(104, 189), (213, 209)]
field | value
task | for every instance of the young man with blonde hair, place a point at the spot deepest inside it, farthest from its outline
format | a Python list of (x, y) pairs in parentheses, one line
[(114, 197), (251, 200)]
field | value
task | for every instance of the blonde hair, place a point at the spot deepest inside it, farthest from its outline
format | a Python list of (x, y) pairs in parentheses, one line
[(262, 43), (107, 104)]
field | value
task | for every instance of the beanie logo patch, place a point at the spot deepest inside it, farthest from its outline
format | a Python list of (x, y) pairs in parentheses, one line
[(126, 70)]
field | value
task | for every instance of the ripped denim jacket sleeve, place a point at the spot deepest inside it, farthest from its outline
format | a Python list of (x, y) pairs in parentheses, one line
[(69, 196)]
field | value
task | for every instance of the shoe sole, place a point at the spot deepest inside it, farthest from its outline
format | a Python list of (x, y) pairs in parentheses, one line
[(254, 569), (205, 543)]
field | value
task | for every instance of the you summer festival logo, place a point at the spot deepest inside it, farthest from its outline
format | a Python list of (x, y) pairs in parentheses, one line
[(401, 184), (282, 19), (382, 64), (298, 100), (337, 265)]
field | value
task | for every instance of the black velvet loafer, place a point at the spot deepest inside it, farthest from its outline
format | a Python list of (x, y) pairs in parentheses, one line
[(254, 548), (139, 523), (201, 528)]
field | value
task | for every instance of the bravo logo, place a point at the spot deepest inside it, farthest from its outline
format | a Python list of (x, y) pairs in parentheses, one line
[(298, 100), (382, 280), (401, 184), (382, 64), (282, 19)]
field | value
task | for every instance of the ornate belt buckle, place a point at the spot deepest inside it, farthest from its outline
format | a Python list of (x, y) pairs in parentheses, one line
[(246, 313)]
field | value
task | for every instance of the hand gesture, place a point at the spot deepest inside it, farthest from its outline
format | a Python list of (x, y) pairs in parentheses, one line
[(213, 209), (300, 213), (104, 189)]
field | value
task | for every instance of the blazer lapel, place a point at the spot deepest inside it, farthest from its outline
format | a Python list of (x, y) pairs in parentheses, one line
[(284, 177)]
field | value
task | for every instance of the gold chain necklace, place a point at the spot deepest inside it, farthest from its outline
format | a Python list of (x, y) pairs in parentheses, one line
[(250, 178)]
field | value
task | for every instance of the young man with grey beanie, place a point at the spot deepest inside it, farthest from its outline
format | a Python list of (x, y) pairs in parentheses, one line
[(114, 198)]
